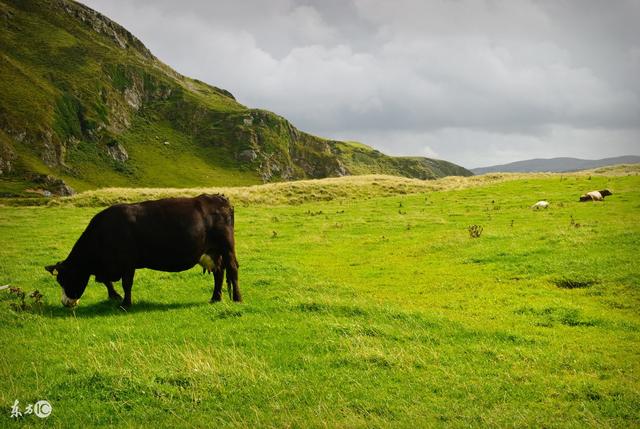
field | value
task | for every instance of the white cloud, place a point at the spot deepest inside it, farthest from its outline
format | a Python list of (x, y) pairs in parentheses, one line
[(520, 78), (476, 148)]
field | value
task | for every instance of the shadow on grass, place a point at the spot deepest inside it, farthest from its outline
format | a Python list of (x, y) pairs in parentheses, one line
[(111, 308)]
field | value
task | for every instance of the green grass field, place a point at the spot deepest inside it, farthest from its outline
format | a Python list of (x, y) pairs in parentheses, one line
[(368, 309)]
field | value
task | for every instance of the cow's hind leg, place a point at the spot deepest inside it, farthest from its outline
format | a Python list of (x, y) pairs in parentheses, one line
[(127, 284), (218, 275), (231, 267), (112, 292)]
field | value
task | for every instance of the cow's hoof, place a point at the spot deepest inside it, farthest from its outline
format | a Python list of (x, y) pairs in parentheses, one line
[(214, 301), (115, 297), (125, 305)]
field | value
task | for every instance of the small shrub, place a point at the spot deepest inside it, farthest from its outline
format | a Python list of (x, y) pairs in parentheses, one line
[(573, 223), (573, 317), (312, 307), (567, 283), (22, 303), (227, 314), (475, 231)]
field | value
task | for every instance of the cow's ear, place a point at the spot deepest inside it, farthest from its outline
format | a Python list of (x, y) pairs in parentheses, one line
[(53, 269)]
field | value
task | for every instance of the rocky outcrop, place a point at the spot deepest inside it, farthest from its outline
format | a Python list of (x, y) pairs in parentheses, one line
[(52, 184), (7, 158), (5, 14), (277, 150), (50, 153), (133, 97), (103, 25), (117, 152), (247, 155), (5, 166)]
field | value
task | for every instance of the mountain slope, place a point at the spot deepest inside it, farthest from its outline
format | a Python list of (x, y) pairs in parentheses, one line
[(83, 103), (556, 165)]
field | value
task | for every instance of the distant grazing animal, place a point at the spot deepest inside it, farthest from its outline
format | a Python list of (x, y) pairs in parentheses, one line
[(171, 234), (540, 205), (595, 195)]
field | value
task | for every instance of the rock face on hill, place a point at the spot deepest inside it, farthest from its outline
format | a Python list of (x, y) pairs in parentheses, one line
[(83, 101)]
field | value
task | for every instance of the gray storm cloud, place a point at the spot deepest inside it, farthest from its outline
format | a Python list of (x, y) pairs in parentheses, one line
[(473, 82)]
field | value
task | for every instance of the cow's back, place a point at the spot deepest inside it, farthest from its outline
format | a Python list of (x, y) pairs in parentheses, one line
[(167, 235), (170, 234)]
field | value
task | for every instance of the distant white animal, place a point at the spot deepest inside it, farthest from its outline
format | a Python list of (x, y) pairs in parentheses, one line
[(540, 205), (596, 195)]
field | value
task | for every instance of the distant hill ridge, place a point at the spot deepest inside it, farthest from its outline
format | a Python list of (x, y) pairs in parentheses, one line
[(84, 104), (555, 165)]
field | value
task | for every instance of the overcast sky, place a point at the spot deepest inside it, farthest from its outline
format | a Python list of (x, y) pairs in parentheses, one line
[(473, 82)]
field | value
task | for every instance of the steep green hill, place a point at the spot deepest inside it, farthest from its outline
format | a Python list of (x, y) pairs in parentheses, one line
[(85, 104)]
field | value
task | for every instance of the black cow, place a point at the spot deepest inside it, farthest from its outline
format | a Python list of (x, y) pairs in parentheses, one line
[(171, 234)]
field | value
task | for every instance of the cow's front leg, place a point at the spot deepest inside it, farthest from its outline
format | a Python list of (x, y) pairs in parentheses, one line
[(127, 284), (112, 292)]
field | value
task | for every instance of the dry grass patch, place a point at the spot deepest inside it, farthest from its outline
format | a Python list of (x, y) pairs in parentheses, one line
[(349, 187)]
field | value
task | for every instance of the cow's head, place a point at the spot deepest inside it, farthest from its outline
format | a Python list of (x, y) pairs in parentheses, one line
[(605, 193), (73, 282)]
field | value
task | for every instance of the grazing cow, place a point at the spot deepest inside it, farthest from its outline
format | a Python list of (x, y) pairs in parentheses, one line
[(540, 205), (595, 195), (171, 234)]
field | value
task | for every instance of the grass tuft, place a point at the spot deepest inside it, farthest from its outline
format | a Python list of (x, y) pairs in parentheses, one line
[(567, 283)]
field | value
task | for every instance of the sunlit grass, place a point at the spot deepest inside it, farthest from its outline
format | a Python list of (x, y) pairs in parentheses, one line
[(367, 303)]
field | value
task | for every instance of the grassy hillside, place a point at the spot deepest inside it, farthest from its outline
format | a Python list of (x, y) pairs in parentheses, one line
[(83, 101), (370, 311)]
